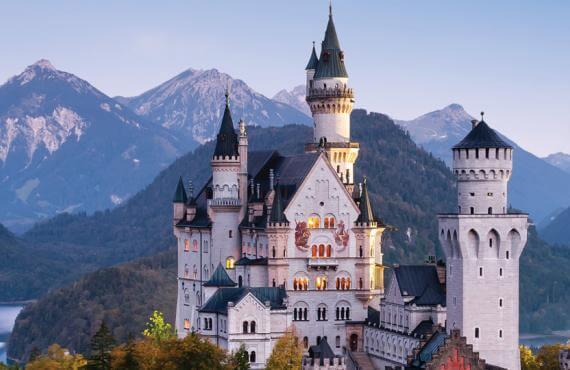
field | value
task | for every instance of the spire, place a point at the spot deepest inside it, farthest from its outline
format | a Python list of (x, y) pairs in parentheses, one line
[(277, 215), (366, 214), (331, 61), (313, 60), (180, 194), (227, 139)]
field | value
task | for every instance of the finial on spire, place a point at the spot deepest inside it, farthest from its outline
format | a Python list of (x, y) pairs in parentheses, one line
[(330, 8), (227, 94), (482, 115)]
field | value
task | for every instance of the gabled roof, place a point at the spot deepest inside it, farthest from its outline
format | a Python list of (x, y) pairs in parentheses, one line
[(218, 303), (227, 139), (366, 214), (180, 193), (420, 282), (220, 278), (313, 60), (482, 136), (331, 61)]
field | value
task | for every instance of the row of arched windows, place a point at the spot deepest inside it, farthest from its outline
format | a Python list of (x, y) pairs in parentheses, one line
[(300, 314), (342, 283), (248, 327), (251, 356), (314, 222), (321, 250), (207, 323)]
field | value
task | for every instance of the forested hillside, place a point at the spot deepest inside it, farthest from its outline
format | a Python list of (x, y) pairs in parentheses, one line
[(408, 187)]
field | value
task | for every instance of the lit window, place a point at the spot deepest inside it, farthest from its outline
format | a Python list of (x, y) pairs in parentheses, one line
[(186, 245), (186, 324), (321, 283), (230, 261), (314, 222), (329, 222), (195, 245)]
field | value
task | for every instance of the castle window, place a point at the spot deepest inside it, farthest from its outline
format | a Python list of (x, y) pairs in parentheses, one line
[(487, 153), (240, 281), (360, 283), (245, 327), (337, 341), (481, 271), (252, 327), (195, 272), (230, 263), (186, 324), (501, 271), (274, 283), (321, 283), (314, 251), (186, 245), (186, 271), (477, 153), (195, 245), (273, 251), (305, 314), (305, 342), (472, 210), (206, 327), (314, 222), (361, 251), (295, 284), (491, 243), (329, 250), (205, 246), (329, 222), (230, 234), (500, 333), (507, 255), (321, 250), (472, 194), (252, 356), (476, 332), (497, 153), (467, 153), (500, 302), (490, 210)]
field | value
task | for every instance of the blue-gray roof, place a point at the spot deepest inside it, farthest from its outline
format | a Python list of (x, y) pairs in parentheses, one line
[(313, 60), (180, 193), (220, 278), (365, 206), (421, 282), (244, 261), (331, 61), (227, 140), (482, 136), (218, 303)]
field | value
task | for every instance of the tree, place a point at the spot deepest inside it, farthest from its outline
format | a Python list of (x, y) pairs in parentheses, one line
[(547, 356), (528, 359), (240, 359), (102, 344), (287, 353), (57, 358), (157, 328)]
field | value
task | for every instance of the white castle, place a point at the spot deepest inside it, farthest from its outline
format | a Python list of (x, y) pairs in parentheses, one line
[(274, 241)]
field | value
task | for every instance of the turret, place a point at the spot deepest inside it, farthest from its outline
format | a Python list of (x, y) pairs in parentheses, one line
[(179, 202), (311, 68), (482, 163)]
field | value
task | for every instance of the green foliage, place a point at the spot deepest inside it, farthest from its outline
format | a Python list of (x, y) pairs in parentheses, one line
[(122, 296), (528, 359), (240, 359), (102, 344), (548, 355), (157, 328)]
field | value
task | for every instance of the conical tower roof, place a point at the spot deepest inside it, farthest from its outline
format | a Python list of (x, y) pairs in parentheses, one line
[(482, 136), (227, 139), (331, 61), (277, 215), (180, 193), (313, 60)]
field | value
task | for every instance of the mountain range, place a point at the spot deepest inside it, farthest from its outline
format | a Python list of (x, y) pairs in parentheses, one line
[(295, 98), (67, 147), (536, 186), (560, 160), (190, 105)]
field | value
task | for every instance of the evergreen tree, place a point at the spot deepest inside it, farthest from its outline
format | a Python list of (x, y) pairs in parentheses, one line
[(102, 344), (240, 359)]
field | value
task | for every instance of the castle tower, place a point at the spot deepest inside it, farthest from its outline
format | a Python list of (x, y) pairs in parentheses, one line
[(331, 100), (226, 205), (482, 243)]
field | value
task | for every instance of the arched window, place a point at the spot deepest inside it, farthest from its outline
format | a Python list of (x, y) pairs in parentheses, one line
[(245, 327), (306, 284), (295, 284), (361, 251), (329, 250), (321, 250), (360, 283), (186, 271), (321, 283), (490, 210), (195, 245), (305, 314), (314, 222), (476, 332), (305, 342), (273, 251), (252, 327), (240, 281), (186, 324), (274, 283), (472, 210), (195, 272), (314, 251), (329, 221), (206, 327), (186, 245), (230, 262), (252, 356), (337, 341)]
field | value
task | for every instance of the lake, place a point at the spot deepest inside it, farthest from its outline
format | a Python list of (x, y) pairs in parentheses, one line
[(8, 315)]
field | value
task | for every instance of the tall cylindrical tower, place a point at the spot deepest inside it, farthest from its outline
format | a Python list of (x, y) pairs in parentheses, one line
[(482, 243), (330, 100)]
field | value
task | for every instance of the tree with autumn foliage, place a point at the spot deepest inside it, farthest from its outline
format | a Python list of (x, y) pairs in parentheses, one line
[(57, 358), (528, 359), (548, 356), (287, 353), (157, 328)]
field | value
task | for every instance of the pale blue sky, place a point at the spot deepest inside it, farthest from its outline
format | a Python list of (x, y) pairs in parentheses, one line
[(405, 58)]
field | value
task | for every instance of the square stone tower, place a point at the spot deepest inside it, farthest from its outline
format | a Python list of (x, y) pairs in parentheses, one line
[(482, 243)]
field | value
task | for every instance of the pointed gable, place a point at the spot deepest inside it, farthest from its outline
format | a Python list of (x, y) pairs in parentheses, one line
[(220, 278)]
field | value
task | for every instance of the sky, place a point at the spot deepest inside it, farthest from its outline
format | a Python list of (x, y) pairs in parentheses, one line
[(509, 58)]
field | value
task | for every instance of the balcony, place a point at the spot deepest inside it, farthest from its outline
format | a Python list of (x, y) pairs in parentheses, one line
[(322, 263), (224, 202), (322, 93)]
